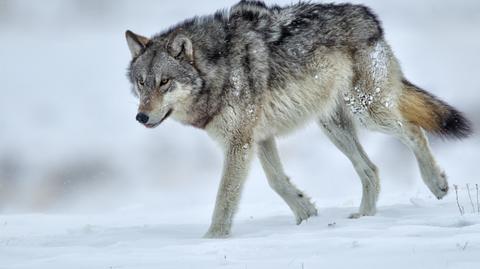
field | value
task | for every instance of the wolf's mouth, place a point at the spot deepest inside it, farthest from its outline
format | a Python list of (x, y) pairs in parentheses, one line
[(153, 125)]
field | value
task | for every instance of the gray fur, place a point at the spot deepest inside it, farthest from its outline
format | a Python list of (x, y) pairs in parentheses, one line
[(252, 73), (298, 202), (342, 133)]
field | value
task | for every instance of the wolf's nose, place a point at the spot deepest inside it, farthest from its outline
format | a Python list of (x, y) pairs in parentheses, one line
[(142, 118)]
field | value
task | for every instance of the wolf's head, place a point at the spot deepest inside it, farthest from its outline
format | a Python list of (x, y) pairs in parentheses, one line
[(163, 77)]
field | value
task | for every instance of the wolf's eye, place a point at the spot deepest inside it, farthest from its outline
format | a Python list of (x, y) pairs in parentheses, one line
[(140, 83), (164, 82)]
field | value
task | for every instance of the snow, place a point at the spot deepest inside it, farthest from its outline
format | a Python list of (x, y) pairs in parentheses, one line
[(82, 185), (379, 56), (422, 234)]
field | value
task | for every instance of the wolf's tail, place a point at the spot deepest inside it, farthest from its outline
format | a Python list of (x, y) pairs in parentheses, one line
[(435, 116)]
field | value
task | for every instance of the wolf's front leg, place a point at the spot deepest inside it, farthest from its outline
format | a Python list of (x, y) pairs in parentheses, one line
[(300, 204), (235, 168)]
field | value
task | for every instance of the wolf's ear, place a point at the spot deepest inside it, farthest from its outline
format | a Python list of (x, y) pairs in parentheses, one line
[(181, 44), (135, 42)]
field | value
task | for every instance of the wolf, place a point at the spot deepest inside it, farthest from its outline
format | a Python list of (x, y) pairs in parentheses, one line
[(251, 73)]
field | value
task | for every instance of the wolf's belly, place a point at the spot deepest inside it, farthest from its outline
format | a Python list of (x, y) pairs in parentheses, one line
[(284, 110)]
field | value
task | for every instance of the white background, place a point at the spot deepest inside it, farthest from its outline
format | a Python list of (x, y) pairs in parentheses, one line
[(82, 185)]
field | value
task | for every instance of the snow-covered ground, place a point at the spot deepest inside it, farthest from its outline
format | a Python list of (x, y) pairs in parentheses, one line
[(421, 234), (82, 185)]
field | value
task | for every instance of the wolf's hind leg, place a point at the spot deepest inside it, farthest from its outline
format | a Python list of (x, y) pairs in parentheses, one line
[(298, 202), (435, 179), (341, 131)]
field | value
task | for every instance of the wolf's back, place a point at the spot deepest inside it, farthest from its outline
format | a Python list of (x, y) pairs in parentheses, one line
[(325, 24)]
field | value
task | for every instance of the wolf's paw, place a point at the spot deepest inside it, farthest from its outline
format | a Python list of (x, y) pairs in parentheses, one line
[(441, 192), (355, 216), (217, 233), (303, 209), (358, 215), (362, 213), (440, 187)]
